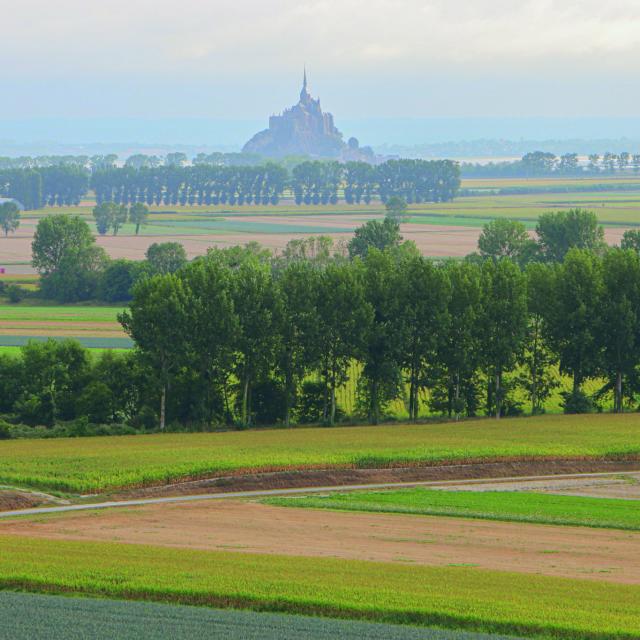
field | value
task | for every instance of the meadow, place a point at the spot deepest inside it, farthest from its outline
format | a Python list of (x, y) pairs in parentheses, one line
[(486, 505), (99, 464), (454, 597)]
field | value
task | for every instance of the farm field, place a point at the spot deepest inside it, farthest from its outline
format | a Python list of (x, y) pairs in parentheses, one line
[(439, 229), (36, 617), (498, 505), (92, 326), (98, 464), (459, 597), (240, 526)]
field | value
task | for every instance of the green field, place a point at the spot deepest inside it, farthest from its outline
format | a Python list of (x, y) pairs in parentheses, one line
[(487, 505), (454, 597), (95, 464), (30, 616), (59, 313)]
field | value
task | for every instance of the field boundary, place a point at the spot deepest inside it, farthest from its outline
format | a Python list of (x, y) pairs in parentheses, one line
[(265, 493)]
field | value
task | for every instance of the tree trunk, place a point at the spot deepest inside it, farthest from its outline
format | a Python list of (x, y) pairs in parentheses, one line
[(163, 401), (332, 416), (498, 395), (287, 401), (618, 402), (245, 399), (457, 396)]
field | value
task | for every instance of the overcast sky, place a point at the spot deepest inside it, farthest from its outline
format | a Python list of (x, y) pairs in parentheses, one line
[(366, 58)]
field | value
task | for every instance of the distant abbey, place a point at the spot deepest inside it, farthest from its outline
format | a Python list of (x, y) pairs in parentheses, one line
[(305, 130)]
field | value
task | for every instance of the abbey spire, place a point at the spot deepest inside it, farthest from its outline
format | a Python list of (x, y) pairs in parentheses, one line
[(304, 94)]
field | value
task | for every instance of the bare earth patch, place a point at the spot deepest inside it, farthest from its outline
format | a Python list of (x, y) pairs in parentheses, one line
[(576, 552)]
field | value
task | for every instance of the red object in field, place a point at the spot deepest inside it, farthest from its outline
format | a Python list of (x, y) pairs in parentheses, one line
[(1, 269)]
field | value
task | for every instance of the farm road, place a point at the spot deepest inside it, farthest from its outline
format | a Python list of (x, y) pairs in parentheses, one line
[(39, 617), (512, 483)]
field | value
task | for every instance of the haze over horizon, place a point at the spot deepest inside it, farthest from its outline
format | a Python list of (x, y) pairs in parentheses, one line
[(145, 71)]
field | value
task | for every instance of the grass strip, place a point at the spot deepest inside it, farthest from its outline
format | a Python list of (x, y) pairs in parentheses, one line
[(97, 464), (453, 597), (606, 513)]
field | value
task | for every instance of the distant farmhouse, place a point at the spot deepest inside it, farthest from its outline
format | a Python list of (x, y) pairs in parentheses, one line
[(305, 129), (16, 202)]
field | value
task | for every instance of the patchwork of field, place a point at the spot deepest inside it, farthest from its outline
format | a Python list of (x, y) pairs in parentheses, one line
[(438, 229), (98, 464), (273, 529), (519, 558), (37, 617), (92, 326)]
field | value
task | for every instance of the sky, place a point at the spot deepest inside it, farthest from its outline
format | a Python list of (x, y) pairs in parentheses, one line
[(149, 62)]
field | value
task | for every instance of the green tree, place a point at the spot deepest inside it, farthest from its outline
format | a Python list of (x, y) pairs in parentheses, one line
[(212, 339), (577, 228), (631, 240), (503, 322), (65, 255), (343, 318), (619, 313), (117, 280), (381, 356), (297, 290), (54, 372), (255, 304), (166, 257), (504, 238), (379, 235), (458, 356), (157, 322), (572, 314), (9, 217), (396, 208), (424, 291), (138, 214), (537, 359), (103, 214)]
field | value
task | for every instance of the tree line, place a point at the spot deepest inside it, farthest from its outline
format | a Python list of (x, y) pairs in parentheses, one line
[(309, 182), (241, 337), (546, 164)]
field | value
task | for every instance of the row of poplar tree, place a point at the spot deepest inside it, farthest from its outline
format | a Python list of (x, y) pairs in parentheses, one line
[(458, 336), (311, 183)]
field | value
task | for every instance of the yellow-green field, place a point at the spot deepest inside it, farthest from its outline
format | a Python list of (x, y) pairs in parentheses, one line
[(458, 597), (96, 464)]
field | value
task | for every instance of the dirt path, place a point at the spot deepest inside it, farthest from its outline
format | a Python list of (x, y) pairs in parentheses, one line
[(233, 525)]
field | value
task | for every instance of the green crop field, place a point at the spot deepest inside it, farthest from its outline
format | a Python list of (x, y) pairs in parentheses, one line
[(25, 616), (58, 313), (488, 505), (95, 327), (454, 597), (95, 464)]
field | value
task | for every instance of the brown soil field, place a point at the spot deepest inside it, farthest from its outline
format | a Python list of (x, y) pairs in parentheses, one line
[(574, 552)]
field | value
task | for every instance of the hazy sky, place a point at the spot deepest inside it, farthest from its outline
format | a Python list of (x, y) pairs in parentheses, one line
[(366, 58)]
